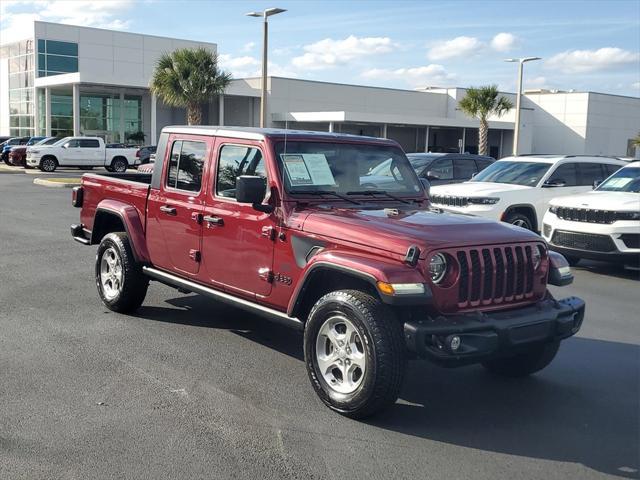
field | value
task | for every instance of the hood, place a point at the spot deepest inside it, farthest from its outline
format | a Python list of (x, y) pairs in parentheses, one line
[(476, 189), (595, 200), (396, 230)]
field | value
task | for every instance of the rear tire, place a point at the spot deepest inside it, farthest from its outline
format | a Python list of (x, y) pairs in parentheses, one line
[(119, 165), (121, 284), (48, 164), (526, 363), (519, 220), (359, 343)]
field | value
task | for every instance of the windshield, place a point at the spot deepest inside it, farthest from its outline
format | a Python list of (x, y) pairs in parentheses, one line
[(624, 180), (345, 168), (62, 140), (516, 173), (48, 141)]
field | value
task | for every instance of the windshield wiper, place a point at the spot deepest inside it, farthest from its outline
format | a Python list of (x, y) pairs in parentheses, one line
[(378, 192), (329, 192)]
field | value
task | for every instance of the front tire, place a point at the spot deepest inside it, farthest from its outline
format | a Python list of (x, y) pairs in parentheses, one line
[(519, 220), (48, 164), (354, 353), (121, 284), (525, 363)]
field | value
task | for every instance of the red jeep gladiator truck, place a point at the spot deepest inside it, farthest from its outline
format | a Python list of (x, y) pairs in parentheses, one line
[(294, 226)]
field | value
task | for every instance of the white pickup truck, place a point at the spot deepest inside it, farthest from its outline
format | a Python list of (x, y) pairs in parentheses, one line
[(83, 152)]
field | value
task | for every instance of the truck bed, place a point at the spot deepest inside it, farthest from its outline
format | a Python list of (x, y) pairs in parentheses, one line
[(112, 191)]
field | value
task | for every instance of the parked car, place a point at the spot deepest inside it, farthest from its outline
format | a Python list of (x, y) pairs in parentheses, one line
[(278, 222), (18, 154), (83, 152), (517, 190), (437, 168), (3, 139), (603, 224), (12, 142), (145, 153)]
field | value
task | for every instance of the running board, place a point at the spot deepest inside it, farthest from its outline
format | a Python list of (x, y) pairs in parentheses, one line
[(181, 283)]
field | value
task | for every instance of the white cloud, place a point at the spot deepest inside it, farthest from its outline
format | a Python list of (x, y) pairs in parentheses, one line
[(582, 61), (636, 85), (17, 16), (535, 82), (457, 47), (503, 42), (248, 66), (329, 53), (249, 46), (429, 75)]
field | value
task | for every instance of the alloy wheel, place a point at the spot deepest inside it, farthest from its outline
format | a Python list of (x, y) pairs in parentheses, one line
[(340, 354), (111, 274)]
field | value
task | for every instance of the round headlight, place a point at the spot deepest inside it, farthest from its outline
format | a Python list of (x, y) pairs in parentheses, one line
[(437, 267), (536, 257)]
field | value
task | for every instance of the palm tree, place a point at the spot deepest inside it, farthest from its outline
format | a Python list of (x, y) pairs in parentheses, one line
[(187, 78), (483, 102), (636, 140)]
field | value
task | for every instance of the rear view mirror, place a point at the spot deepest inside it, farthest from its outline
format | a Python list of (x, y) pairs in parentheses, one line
[(558, 182), (251, 189), (432, 176)]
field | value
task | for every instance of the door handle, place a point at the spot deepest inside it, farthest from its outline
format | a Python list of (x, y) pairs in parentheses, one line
[(168, 210), (213, 220)]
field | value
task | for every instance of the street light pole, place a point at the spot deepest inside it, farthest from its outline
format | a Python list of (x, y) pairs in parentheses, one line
[(265, 40), (516, 131)]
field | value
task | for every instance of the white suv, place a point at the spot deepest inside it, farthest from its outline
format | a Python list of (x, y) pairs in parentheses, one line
[(603, 224), (517, 190)]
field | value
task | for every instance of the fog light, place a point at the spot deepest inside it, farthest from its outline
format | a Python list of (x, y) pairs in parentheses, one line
[(454, 343)]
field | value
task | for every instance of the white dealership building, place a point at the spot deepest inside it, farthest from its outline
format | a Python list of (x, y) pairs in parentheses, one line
[(63, 79)]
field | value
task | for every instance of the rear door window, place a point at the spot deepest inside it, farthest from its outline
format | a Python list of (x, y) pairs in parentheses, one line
[(186, 164), (464, 168), (591, 172), (611, 168), (482, 164), (89, 143)]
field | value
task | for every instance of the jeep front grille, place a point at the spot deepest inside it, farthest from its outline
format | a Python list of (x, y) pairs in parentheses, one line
[(494, 275), (450, 201), (586, 215)]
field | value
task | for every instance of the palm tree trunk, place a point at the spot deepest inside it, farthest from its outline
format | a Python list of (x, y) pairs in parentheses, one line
[(483, 137), (194, 114)]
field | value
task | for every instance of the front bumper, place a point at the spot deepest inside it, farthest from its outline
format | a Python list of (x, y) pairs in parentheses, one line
[(486, 335)]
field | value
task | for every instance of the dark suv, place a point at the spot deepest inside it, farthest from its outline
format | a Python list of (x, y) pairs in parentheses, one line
[(445, 168)]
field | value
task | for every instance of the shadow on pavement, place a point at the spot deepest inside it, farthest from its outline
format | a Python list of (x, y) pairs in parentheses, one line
[(584, 408), (609, 269)]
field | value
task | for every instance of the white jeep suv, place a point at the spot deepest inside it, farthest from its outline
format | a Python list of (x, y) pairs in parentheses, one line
[(603, 224), (517, 190)]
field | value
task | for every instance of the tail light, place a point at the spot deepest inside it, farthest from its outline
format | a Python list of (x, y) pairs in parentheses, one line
[(77, 195), (138, 153)]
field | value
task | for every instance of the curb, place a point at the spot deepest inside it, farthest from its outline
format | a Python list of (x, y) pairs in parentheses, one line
[(53, 184)]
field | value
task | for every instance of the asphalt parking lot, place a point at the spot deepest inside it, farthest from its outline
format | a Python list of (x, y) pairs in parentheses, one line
[(189, 388)]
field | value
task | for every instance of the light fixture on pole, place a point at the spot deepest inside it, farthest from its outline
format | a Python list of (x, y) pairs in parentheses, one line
[(265, 33), (516, 131)]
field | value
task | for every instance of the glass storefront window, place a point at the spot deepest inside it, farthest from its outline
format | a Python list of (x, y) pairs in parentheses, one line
[(55, 57)]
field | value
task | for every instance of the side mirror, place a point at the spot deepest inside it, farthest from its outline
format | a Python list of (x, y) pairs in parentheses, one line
[(426, 185), (558, 182), (251, 189), (597, 183), (432, 176), (66, 145)]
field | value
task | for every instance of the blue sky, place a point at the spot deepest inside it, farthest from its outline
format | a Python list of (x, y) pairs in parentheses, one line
[(585, 45)]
